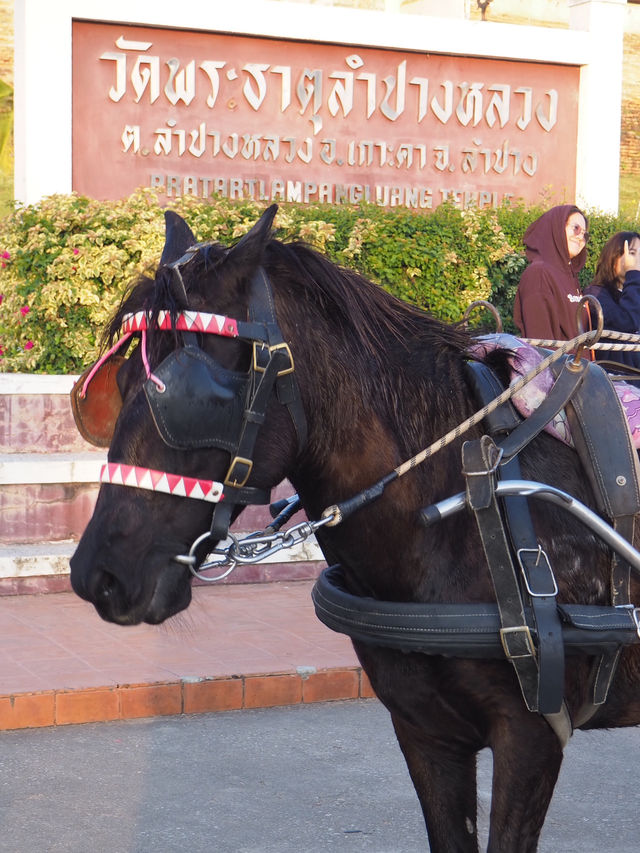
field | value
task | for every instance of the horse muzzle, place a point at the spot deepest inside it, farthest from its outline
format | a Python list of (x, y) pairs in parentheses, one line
[(164, 591)]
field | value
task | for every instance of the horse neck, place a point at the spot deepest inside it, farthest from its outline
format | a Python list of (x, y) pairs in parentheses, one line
[(364, 420)]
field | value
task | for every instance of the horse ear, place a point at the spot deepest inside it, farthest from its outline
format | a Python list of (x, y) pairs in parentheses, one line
[(248, 249), (178, 238)]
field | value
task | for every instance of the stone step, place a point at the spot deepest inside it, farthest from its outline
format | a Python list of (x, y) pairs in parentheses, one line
[(35, 415), (44, 567), (35, 568), (47, 496), (50, 467)]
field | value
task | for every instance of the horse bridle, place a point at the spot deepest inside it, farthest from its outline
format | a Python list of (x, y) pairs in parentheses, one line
[(195, 402)]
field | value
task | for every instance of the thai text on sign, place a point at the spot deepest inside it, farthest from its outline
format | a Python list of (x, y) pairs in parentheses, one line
[(204, 113)]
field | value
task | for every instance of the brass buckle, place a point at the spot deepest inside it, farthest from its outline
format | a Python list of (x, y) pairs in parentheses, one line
[(238, 484), (284, 346), (522, 629)]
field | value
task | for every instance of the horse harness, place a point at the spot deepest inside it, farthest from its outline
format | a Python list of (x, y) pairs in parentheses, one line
[(527, 624), (520, 569)]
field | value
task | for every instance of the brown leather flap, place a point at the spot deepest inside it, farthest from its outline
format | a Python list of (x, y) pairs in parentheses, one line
[(96, 413)]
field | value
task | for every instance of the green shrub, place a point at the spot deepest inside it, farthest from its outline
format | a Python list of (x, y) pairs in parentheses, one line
[(6, 147), (65, 262)]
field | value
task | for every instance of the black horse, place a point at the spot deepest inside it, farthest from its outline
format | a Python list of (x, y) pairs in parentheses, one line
[(375, 380)]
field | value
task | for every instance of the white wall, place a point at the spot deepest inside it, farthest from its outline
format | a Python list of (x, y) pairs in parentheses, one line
[(600, 107), (43, 66)]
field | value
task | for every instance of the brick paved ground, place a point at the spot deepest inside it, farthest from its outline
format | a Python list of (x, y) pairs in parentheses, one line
[(242, 646)]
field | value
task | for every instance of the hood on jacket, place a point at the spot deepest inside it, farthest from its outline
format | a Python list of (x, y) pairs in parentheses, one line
[(546, 239)]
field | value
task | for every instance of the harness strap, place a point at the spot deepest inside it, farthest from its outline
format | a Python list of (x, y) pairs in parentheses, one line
[(480, 460), (262, 307), (456, 630), (533, 562), (590, 414), (542, 590), (567, 382)]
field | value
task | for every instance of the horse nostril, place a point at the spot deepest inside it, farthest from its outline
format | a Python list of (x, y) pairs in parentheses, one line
[(102, 587), (106, 587)]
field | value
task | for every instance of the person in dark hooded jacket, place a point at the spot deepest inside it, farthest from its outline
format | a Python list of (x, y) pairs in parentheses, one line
[(548, 294), (616, 286)]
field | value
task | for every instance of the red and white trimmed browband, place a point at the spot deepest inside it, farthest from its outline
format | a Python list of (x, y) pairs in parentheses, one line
[(186, 321), (159, 481)]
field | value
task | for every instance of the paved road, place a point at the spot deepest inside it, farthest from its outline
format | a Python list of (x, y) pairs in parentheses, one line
[(285, 780)]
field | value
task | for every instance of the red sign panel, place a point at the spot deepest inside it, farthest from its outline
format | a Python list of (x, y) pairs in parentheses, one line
[(206, 113)]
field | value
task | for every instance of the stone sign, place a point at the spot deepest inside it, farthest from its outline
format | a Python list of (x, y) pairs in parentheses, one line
[(201, 113)]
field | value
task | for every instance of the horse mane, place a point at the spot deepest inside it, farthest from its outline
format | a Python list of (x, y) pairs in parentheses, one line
[(370, 315)]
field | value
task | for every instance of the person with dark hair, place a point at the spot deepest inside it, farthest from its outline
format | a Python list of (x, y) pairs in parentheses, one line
[(546, 302), (616, 286)]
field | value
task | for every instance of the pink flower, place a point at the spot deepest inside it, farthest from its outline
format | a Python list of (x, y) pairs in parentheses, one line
[(28, 345), (6, 255), (25, 310), (76, 251), (1, 298), (1, 351)]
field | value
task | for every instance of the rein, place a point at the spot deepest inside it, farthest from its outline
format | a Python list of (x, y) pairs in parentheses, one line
[(338, 512), (628, 342)]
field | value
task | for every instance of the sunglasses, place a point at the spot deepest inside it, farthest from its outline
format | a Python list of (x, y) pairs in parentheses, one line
[(580, 232)]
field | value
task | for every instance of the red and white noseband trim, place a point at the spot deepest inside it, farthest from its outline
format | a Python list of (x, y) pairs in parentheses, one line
[(159, 481)]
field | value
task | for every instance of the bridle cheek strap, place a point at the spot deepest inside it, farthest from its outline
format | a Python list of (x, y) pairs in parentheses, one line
[(273, 367)]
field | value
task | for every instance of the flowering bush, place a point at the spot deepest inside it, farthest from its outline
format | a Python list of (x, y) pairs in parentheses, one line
[(65, 262)]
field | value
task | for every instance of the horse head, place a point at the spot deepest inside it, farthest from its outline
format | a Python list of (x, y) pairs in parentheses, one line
[(207, 420)]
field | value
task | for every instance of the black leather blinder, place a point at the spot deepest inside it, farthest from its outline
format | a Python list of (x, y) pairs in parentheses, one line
[(202, 404)]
